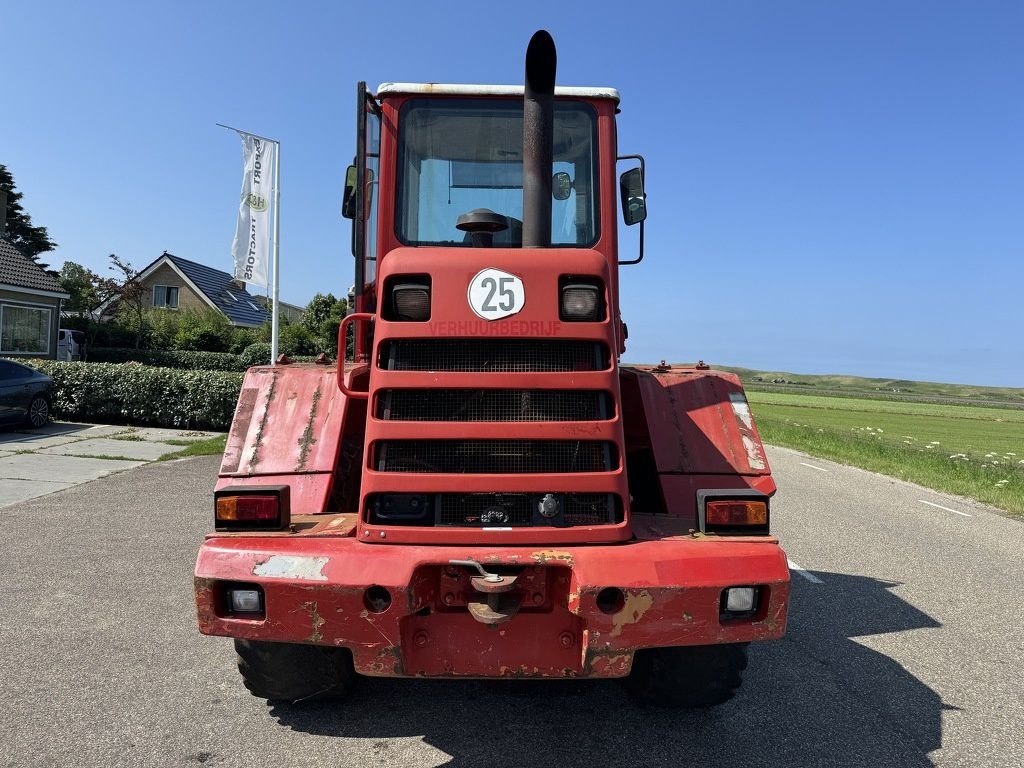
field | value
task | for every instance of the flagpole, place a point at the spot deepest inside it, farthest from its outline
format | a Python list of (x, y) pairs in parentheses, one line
[(274, 317), (274, 322)]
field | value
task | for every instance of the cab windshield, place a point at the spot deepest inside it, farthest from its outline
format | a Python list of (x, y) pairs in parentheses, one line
[(455, 155)]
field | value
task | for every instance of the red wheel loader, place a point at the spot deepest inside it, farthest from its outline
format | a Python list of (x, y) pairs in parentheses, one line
[(480, 489)]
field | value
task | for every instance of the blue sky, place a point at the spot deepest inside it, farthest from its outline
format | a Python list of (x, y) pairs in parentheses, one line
[(834, 187)]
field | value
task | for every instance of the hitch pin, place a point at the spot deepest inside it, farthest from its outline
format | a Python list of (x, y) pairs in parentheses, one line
[(493, 578)]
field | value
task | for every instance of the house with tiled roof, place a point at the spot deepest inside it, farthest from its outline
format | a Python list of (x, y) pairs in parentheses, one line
[(174, 283), (30, 299)]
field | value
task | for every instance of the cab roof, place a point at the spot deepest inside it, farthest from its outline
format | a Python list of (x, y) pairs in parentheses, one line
[(454, 89)]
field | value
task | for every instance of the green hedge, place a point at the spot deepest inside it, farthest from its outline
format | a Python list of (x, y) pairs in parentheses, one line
[(254, 354), (129, 393), (172, 358)]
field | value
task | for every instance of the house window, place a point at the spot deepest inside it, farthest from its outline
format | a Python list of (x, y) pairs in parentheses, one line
[(24, 330), (165, 296)]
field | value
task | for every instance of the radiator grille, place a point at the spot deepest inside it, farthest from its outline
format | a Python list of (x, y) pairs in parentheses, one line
[(495, 456), (493, 405), (496, 510), (588, 509), (485, 509), (493, 355)]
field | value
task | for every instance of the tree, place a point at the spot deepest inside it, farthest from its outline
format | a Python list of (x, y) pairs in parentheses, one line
[(130, 293), (323, 315), (206, 331), (83, 286), (317, 311), (28, 239)]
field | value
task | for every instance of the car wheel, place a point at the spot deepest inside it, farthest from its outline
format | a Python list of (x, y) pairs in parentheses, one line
[(38, 411)]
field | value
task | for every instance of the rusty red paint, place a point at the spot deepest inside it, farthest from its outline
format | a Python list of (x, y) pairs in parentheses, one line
[(286, 418), (287, 429), (693, 426), (672, 587)]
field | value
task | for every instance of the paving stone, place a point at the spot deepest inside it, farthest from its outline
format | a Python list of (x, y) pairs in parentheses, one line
[(59, 469), (12, 491), (154, 434), (138, 450)]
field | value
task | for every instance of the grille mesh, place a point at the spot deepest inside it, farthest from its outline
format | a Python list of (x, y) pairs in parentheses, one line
[(517, 509), (493, 355), (485, 509), (588, 509), (492, 405), (495, 456)]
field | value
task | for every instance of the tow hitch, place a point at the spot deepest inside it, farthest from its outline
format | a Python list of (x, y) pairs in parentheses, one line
[(494, 602)]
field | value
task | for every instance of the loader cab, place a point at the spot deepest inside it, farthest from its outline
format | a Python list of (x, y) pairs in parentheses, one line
[(442, 166), (487, 315)]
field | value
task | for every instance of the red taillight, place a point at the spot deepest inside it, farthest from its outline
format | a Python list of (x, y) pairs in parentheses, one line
[(730, 513), (252, 508), (235, 509)]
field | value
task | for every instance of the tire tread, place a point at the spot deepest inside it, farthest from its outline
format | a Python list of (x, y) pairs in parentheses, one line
[(291, 672), (688, 677)]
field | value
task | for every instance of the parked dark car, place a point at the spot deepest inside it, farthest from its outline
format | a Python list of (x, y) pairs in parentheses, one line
[(25, 395)]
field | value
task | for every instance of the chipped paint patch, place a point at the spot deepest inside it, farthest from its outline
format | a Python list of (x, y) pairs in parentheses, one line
[(741, 408), (316, 620), (754, 456), (552, 555), (292, 567), (633, 609), (254, 459), (307, 440)]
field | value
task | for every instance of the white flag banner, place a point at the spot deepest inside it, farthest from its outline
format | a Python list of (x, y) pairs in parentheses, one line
[(251, 248)]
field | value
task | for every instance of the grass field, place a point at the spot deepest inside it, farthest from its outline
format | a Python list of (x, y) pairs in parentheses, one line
[(900, 390), (967, 450)]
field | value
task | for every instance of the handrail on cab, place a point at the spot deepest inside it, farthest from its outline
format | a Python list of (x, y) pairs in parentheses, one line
[(356, 394)]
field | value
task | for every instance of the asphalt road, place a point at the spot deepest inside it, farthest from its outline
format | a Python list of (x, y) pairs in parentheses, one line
[(905, 648)]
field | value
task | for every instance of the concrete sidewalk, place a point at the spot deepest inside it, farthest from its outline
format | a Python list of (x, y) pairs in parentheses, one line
[(35, 462)]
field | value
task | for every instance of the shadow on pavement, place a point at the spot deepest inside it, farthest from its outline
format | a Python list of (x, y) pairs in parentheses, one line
[(15, 433), (816, 697)]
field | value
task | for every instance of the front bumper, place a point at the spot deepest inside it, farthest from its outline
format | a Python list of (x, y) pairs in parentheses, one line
[(315, 591)]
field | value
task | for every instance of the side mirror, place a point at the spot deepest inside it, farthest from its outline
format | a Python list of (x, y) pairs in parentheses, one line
[(561, 186), (348, 200), (634, 201)]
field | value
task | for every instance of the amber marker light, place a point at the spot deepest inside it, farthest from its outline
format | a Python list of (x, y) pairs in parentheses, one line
[(236, 509), (731, 513), (259, 508)]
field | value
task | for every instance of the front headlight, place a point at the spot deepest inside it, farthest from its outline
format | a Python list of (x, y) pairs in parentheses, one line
[(581, 302), (410, 301)]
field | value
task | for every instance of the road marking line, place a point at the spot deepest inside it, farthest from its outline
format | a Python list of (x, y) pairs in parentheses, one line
[(947, 509), (804, 463), (809, 576)]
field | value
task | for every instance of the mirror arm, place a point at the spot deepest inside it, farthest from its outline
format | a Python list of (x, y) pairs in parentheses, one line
[(639, 258), (643, 178)]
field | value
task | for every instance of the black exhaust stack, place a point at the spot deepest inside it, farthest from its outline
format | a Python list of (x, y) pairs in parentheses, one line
[(538, 137)]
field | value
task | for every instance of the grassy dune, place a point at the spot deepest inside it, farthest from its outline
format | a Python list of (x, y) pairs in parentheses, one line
[(900, 390), (970, 451)]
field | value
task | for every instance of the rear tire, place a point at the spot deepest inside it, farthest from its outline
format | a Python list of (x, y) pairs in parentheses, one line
[(38, 412), (688, 677), (289, 672)]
